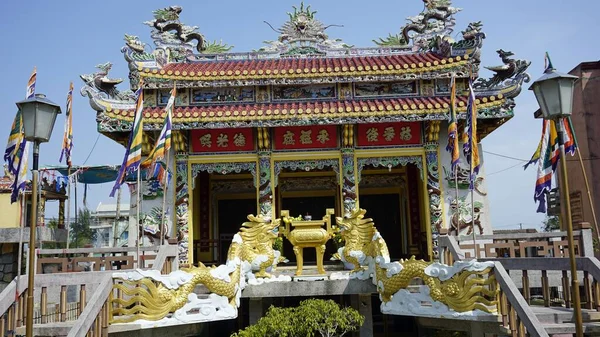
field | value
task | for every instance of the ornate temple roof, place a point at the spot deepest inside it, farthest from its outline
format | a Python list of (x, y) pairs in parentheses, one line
[(306, 67), (423, 52)]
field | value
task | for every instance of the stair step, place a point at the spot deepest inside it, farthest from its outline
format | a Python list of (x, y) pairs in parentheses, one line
[(557, 315), (569, 328)]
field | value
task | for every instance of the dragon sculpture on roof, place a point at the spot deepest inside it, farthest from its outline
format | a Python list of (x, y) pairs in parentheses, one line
[(302, 34)]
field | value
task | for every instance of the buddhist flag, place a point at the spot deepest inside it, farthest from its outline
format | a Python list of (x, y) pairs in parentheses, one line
[(133, 151), (68, 135), (163, 143), (452, 146), (549, 155), (470, 148)]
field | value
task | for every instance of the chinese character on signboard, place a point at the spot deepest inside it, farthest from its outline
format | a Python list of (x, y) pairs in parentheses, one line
[(205, 140), (222, 140), (372, 135), (239, 140), (288, 138), (323, 136), (389, 134), (305, 137), (405, 133)]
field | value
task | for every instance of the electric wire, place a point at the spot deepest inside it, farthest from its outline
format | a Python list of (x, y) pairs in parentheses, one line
[(92, 150)]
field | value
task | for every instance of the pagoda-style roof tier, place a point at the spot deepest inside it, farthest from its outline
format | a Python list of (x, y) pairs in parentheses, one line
[(302, 113), (340, 68)]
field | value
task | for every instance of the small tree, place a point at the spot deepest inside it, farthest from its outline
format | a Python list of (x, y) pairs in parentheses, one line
[(81, 233), (550, 223), (313, 317), (53, 224)]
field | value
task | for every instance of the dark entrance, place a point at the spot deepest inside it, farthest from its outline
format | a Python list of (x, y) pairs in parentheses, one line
[(315, 206), (232, 213), (384, 209)]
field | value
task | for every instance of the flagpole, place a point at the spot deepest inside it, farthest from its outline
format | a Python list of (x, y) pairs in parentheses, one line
[(164, 203), (456, 191), (19, 261), (139, 221), (68, 205), (117, 217)]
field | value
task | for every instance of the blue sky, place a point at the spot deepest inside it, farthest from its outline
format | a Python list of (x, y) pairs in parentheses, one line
[(67, 38)]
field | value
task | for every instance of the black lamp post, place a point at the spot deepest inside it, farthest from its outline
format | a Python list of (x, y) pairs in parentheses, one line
[(554, 93), (39, 115)]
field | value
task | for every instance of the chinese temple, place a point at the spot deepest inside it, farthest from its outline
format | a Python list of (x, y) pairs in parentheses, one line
[(308, 123)]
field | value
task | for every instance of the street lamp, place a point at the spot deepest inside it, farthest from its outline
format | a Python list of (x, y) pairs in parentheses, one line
[(39, 115), (554, 93)]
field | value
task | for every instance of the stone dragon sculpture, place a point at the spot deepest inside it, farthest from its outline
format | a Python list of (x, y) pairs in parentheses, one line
[(368, 252), (251, 250), (511, 69)]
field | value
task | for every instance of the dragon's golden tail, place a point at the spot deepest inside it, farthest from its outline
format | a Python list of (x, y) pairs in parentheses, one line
[(142, 299)]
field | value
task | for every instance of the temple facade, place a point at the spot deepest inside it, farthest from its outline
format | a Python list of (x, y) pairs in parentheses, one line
[(308, 123)]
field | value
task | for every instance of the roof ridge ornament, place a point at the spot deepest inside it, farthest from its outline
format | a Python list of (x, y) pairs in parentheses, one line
[(303, 34), (436, 19), (170, 33)]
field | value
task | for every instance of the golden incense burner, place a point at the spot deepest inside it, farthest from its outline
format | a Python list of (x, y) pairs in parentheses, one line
[(308, 234)]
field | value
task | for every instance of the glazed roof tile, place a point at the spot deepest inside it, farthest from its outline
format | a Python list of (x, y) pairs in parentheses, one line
[(305, 67), (308, 109)]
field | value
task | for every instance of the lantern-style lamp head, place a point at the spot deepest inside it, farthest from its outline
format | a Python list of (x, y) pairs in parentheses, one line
[(554, 93), (39, 115)]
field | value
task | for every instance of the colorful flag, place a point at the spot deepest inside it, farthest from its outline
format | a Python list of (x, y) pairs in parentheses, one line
[(15, 139), (68, 135), (470, 146), (31, 84), (547, 165), (538, 152), (452, 146), (163, 143), (133, 151), (569, 136)]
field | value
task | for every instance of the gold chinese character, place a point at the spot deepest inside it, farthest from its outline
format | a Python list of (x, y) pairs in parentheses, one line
[(323, 136), (372, 135), (222, 140), (239, 139), (389, 134), (405, 133), (305, 137), (205, 140), (288, 138)]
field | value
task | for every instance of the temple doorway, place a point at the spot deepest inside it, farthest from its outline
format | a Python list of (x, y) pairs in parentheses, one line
[(386, 211), (231, 214)]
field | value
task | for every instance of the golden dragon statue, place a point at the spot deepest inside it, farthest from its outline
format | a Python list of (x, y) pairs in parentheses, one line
[(150, 299), (368, 252)]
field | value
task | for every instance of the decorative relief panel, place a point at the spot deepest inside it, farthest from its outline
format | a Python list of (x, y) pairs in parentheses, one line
[(305, 165), (222, 95), (390, 162), (300, 92), (312, 184), (223, 168), (383, 89)]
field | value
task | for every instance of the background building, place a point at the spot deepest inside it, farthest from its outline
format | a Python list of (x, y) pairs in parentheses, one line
[(586, 122), (104, 220)]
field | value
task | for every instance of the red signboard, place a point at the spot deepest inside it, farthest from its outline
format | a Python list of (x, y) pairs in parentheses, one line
[(384, 134), (222, 140), (305, 137)]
